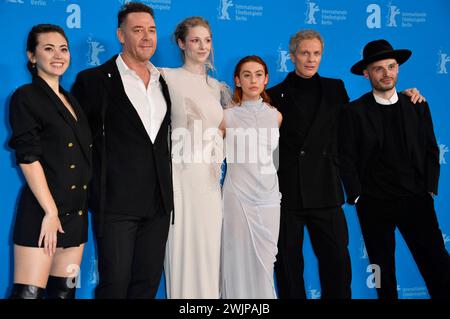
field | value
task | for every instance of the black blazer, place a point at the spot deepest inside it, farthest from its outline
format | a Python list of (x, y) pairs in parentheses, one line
[(308, 174), (44, 130), (131, 175), (361, 137)]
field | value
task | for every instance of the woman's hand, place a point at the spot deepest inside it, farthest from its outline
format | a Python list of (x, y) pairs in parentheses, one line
[(34, 174), (49, 228)]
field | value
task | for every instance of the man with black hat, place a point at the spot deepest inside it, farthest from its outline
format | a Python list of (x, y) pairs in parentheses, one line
[(390, 170), (308, 173)]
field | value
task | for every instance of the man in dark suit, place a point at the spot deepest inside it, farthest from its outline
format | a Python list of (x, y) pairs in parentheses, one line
[(390, 169), (128, 107), (308, 173)]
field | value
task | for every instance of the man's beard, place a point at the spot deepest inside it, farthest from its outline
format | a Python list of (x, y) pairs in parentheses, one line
[(379, 86)]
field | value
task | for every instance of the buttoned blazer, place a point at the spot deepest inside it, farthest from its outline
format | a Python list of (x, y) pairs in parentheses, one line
[(309, 174), (44, 130)]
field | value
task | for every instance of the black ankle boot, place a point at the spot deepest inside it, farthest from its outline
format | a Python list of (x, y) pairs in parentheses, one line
[(21, 291), (60, 288)]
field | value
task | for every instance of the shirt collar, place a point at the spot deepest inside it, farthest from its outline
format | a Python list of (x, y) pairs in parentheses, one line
[(392, 100), (124, 69)]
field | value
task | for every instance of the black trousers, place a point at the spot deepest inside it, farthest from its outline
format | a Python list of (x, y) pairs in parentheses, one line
[(131, 256), (329, 237), (416, 220)]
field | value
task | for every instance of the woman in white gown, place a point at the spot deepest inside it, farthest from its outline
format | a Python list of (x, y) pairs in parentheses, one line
[(251, 199), (192, 259)]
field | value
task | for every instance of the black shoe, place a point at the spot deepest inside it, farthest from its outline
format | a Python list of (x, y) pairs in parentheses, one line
[(21, 291), (60, 288)]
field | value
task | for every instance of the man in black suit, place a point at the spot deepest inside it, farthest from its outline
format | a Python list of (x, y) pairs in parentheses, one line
[(128, 107), (308, 173), (390, 169)]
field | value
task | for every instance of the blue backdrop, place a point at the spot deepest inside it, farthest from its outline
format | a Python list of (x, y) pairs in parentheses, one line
[(242, 27)]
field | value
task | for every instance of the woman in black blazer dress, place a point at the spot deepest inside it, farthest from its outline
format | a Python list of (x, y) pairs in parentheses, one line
[(52, 141)]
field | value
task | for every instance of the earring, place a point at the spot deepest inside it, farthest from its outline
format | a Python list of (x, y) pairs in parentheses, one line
[(238, 85)]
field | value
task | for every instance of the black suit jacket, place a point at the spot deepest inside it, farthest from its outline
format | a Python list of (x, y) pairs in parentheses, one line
[(361, 138), (308, 174), (44, 130), (131, 175)]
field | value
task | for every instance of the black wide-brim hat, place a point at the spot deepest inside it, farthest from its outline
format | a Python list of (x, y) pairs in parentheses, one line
[(379, 50)]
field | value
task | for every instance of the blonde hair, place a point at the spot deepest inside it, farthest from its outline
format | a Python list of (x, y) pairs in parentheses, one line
[(182, 30), (303, 35)]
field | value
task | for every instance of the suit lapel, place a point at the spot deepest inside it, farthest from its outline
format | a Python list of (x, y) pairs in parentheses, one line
[(83, 139), (374, 116), (410, 123), (286, 95), (65, 113), (116, 91), (322, 115), (166, 119)]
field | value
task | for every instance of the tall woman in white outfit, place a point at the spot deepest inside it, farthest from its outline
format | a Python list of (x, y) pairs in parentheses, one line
[(251, 199), (193, 248)]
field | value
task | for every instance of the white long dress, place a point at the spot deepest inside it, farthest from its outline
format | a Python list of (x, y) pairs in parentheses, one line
[(251, 203), (192, 260)]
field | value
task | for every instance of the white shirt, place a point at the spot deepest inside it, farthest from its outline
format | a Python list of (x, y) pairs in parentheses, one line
[(148, 101), (392, 100)]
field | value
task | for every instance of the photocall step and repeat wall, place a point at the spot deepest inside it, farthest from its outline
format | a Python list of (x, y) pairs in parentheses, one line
[(240, 28)]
